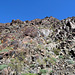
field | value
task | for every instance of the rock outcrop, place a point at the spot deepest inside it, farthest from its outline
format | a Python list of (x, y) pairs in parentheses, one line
[(40, 46)]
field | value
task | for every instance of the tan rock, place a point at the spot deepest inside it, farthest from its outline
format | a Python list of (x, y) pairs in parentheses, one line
[(31, 31), (5, 71)]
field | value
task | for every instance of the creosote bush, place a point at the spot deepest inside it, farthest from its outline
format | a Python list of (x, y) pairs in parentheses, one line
[(56, 51)]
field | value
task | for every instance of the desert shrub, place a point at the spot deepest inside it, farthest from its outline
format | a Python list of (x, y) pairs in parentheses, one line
[(56, 51), (42, 71), (3, 66)]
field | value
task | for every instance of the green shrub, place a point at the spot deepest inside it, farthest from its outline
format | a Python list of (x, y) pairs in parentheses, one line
[(4, 50), (3, 66), (54, 59), (51, 71), (28, 74), (56, 51), (43, 71), (61, 56), (0, 42), (47, 48), (12, 40), (9, 48), (32, 65), (70, 61), (16, 64)]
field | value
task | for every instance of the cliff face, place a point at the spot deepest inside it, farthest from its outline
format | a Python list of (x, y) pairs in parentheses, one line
[(48, 44)]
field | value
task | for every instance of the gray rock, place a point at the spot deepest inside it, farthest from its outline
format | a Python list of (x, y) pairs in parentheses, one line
[(1, 57), (45, 32)]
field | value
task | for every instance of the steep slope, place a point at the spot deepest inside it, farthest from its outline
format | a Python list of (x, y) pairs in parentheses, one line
[(40, 46)]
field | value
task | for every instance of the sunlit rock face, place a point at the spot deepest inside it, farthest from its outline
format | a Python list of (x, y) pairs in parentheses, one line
[(40, 46)]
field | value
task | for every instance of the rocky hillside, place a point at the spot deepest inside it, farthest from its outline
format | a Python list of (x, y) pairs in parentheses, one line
[(38, 47)]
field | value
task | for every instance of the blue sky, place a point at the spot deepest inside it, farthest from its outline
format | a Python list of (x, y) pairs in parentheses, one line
[(32, 9)]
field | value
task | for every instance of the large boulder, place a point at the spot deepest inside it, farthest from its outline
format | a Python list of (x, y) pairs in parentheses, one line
[(31, 31), (45, 32)]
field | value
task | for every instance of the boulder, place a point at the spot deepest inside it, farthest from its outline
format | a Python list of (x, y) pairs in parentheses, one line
[(45, 32), (31, 31)]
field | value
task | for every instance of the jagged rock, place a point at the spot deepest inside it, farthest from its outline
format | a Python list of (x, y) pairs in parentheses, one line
[(17, 21), (72, 53), (36, 21), (8, 24), (69, 22), (1, 57), (72, 25)]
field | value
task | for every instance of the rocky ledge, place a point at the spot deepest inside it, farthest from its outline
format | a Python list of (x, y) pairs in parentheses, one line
[(38, 47)]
